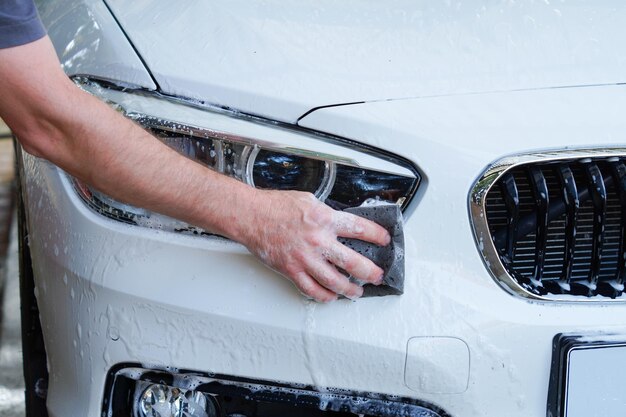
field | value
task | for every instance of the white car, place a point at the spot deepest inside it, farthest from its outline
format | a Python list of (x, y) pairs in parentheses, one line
[(498, 127)]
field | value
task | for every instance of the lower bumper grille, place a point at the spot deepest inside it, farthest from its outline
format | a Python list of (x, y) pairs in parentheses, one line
[(133, 391), (556, 226)]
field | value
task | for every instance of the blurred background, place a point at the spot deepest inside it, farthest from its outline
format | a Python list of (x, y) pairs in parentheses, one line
[(11, 377)]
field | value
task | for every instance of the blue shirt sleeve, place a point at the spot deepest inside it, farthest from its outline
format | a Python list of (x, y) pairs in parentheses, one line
[(19, 23)]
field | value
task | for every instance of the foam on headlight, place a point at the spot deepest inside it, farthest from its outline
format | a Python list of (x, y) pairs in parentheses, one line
[(260, 154)]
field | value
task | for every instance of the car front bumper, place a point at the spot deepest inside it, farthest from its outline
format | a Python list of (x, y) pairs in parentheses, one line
[(111, 293)]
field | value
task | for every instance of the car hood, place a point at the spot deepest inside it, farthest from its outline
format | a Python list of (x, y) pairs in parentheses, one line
[(280, 59)]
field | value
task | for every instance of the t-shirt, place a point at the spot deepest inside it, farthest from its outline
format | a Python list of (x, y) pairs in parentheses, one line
[(19, 23)]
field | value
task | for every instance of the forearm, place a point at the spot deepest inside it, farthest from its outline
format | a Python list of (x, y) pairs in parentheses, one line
[(94, 143), (154, 176)]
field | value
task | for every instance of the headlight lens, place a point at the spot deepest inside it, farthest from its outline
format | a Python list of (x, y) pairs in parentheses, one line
[(281, 171), (259, 153)]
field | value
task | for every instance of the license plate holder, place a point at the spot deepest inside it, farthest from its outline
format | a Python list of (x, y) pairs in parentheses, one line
[(588, 376)]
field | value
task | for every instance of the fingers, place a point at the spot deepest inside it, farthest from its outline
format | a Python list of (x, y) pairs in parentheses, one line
[(355, 264), (355, 227), (311, 288), (328, 276)]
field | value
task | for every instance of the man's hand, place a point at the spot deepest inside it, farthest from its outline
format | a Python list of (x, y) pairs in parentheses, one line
[(296, 235)]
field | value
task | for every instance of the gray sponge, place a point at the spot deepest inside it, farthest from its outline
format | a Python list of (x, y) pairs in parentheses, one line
[(390, 257)]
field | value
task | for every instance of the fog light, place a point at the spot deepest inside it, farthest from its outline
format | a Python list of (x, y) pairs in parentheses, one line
[(157, 400), (134, 391)]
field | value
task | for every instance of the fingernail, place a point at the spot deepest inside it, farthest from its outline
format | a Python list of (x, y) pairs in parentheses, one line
[(354, 296), (328, 299), (380, 279)]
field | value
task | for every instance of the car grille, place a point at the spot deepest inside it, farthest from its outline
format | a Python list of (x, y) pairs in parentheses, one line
[(559, 227)]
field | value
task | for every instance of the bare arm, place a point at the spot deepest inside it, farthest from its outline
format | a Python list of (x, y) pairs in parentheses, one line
[(291, 232)]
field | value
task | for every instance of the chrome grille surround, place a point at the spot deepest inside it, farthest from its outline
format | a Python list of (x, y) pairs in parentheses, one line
[(482, 232)]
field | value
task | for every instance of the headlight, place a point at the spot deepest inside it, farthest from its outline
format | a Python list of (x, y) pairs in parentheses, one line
[(260, 153)]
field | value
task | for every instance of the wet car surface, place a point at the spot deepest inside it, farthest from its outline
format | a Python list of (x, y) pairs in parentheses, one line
[(139, 314)]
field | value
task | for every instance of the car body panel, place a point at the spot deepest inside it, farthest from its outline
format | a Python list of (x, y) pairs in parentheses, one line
[(280, 59), (480, 128), (110, 293), (88, 40)]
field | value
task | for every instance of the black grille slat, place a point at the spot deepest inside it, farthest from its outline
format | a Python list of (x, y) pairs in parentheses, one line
[(570, 198), (540, 193), (559, 227), (619, 174), (511, 200), (598, 198)]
